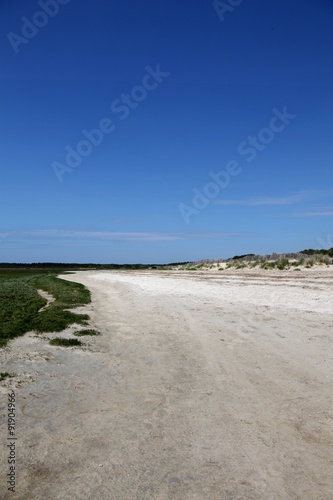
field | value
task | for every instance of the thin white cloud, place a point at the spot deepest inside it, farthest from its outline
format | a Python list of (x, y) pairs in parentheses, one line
[(119, 220), (328, 213), (124, 236), (272, 201), (132, 220), (102, 235)]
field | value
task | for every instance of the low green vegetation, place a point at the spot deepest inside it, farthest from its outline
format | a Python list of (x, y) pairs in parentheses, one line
[(4, 375), (81, 333), (65, 342), (20, 302)]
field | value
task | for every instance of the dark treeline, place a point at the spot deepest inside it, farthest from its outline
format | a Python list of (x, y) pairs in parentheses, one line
[(69, 266), (310, 251)]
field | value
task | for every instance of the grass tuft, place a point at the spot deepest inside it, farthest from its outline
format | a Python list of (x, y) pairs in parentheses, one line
[(81, 333), (4, 375), (65, 342)]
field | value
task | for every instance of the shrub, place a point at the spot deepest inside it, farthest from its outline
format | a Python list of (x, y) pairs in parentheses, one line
[(283, 263)]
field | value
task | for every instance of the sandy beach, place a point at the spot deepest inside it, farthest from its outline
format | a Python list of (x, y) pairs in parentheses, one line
[(202, 385)]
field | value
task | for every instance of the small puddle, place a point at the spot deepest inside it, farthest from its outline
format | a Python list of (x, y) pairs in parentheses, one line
[(46, 296)]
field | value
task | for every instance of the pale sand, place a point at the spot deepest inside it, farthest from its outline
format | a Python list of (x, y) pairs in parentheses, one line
[(202, 386)]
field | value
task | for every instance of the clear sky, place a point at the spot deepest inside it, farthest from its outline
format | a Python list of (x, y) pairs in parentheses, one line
[(164, 131)]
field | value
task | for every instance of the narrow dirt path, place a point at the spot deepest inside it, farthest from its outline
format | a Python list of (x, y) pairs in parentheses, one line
[(48, 297)]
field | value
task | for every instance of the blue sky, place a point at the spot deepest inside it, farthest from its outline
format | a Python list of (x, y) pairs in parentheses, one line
[(180, 92)]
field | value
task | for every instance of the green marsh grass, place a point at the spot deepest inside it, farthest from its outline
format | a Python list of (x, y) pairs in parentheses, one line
[(20, 302)]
